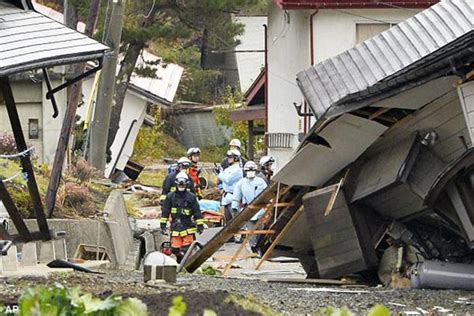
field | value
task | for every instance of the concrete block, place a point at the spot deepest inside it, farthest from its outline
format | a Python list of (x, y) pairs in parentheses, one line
[(60, 248), (47, 253), (29, 255), (154, 272), (10, 261)]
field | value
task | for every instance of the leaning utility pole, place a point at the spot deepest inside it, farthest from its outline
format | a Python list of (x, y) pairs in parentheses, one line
[(70, 19), (105, 95)]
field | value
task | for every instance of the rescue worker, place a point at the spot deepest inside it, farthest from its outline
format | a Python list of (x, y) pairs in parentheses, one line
[(182, 209), (183, 164), (245, 191), (194, 155), (229, 177), (266, 168), (234, 144)]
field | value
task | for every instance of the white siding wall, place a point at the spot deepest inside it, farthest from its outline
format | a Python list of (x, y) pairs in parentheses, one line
[(466, 95), (334, 31), (134, 108), (52, 126), (288, 53), (28, 101)]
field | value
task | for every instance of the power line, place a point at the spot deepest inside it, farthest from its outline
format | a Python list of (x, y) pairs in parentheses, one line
[(17, 155), (363, 16)]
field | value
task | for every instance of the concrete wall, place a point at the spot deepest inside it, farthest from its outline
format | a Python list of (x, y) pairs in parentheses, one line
[(334, 31), (115, 234)]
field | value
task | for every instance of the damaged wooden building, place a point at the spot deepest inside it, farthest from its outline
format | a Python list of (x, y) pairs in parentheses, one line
[(392, 145)]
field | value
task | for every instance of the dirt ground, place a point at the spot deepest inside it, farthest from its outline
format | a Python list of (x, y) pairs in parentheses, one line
[(230, 296)]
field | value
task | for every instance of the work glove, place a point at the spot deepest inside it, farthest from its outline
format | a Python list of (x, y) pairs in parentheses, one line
[(235, 211), (200, 229)]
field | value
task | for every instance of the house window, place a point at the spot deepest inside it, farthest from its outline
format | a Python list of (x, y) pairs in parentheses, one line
[(364, 31)]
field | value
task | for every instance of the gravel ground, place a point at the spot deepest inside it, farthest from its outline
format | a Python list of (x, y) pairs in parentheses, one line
[(202, 292)]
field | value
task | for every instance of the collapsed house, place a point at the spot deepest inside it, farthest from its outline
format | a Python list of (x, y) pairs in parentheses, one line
[(393, 136)]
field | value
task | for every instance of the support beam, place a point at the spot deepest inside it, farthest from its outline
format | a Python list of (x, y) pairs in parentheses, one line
[(250, 149), (14, 214), (280, 236), (25, 160)]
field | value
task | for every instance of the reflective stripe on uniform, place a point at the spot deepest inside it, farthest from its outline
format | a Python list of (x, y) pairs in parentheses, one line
[(164, 220), (173, 189), (187, 212), (162, 197), (174, 233), (183, 233), (192, 230), (174, 210), (200, 221)]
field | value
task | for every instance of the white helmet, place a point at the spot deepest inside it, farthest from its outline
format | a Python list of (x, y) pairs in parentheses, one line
[(193, 151), (233, 153), (235, 142), (184, 162), (250, 166), (266, 160), (181, 177)]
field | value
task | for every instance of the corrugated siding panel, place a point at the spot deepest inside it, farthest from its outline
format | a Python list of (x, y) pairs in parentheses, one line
[(31, 40), (390, 52), (201, 129)]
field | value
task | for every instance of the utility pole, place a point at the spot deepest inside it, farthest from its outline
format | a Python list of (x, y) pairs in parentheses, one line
[(70, 19), (105, 95)]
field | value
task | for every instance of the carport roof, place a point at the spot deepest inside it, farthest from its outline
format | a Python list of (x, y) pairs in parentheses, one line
[(30, 40), (409, 54)]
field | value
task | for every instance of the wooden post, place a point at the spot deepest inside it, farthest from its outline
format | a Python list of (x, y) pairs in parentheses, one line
[(250, 150), (25, 160), (14, 214), (231, 228), (69, 119), (280, 236)]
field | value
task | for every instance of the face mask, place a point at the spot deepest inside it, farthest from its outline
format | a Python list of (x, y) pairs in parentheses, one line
[(250, 174), (181, 188)]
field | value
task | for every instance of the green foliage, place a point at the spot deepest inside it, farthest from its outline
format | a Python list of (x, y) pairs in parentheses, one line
[(333, 311), (152, 177), (60, 300), (213, 153), (378, 310), (178, 308), (250, 305), (208, 270), (153, 143)]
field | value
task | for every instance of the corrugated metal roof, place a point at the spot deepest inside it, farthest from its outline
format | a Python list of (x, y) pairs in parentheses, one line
[(390, 58), (30, 40)]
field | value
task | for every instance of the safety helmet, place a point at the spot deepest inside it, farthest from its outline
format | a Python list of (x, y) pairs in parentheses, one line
[(265, 160), (181, 178), (184, 162), (250, 166), (193, 151), (235, 142), (233, 153)]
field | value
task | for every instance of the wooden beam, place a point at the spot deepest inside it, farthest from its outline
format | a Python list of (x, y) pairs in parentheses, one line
[(230, 229), (332, 200), (25, 160), (379, 112), (244, 243), (250, 140), (280, 236), (257, 232), (14, 213), (3, 233)]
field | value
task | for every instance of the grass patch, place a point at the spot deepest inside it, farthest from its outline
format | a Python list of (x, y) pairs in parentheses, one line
[(250, 305), (152, 177)]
